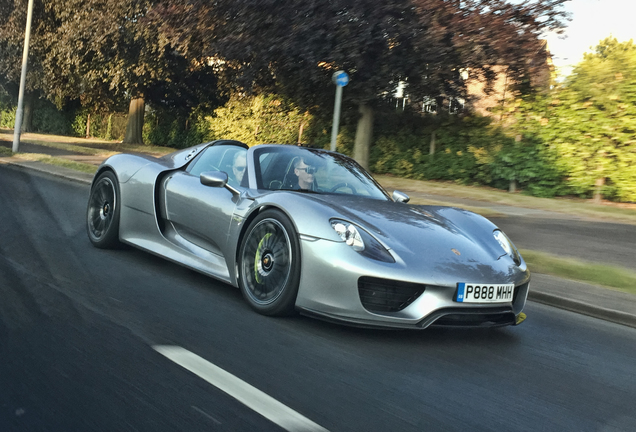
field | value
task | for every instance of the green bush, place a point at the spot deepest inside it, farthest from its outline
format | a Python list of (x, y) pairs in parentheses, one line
[(7, 117), (163, 128), (529, 163), (257, 119), (48, 119), (103, 125), (463, 147)]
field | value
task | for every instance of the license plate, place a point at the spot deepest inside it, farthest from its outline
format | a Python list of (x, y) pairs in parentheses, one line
[(484, 293)]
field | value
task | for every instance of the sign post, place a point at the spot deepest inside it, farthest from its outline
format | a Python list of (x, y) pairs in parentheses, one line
[(340, 79)]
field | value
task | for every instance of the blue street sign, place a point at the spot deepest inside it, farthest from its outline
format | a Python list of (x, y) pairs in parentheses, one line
[(340, 78)]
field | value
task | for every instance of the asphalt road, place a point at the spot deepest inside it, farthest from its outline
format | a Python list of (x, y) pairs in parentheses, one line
[(77, 327)]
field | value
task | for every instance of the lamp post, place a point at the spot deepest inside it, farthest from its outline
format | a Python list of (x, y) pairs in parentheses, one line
[(340, 79), (25, 56)]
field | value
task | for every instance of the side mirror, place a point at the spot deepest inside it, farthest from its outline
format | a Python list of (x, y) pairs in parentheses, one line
[(213, 178), (400, 197), (217, 179)]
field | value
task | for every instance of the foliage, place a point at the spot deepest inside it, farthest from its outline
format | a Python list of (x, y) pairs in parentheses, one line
[(295, 46), (102, 53), (593, 124), (531, 165), (584, 130), (12, 27), (7, 117), (257, 119), (464, 147), (46, 117), (164, 128), (102, 125), (110, 52)]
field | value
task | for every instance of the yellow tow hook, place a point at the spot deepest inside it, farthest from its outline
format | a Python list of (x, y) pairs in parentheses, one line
[(520, 318)]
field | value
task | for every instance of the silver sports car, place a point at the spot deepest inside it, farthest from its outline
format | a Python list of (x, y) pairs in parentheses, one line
[(309, 230)]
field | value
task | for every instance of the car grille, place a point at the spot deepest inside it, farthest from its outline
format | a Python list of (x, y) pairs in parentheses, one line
[(383, 295)]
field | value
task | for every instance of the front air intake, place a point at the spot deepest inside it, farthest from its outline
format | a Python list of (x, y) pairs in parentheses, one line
[(384, 295)]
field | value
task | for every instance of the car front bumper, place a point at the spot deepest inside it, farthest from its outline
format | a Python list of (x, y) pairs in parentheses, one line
[(330, 289)]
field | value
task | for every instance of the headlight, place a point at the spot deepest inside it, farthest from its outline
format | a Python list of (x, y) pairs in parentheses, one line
[(361, 241), (507, 246)]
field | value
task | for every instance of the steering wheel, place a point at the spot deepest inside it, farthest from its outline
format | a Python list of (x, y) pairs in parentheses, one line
[(343, 185)]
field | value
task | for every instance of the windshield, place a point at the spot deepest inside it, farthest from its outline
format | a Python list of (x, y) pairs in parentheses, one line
[(284, 167)]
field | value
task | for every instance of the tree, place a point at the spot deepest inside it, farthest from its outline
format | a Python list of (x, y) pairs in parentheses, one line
[(592, 122), (106, 51), (103, 53), (12, 28), (293, 47)]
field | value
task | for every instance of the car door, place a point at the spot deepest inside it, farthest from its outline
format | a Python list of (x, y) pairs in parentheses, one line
[(201, 214)]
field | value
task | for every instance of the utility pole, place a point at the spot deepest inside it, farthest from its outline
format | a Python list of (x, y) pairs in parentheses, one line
[(25, 56)]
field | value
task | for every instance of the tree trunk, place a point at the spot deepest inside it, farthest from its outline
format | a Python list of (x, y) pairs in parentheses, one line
[(135, 124), (27, 120), (88, 126), (364, 132), (431, 149), (109, 127), (598, 190), (300, 132), (302, 127), (512, 188)]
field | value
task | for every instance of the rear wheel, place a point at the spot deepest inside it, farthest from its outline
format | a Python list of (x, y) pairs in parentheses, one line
[(269, 264), (102, 214)]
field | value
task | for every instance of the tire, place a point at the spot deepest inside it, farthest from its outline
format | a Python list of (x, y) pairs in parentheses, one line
[(102, 213), (269, 264)]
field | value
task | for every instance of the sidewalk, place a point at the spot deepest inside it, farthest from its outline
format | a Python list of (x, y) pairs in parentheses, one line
[(583, 298)]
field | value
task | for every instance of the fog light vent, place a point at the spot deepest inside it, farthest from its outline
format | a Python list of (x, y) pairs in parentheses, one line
[(384, 295)]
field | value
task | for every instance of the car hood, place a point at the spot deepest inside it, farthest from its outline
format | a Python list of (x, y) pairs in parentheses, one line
[(440, 239)]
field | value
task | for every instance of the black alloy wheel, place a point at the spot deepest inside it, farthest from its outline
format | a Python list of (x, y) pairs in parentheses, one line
[(102, 213), (269, 264)]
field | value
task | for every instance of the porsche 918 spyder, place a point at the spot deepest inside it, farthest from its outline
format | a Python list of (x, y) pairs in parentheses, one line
[(309, 230)]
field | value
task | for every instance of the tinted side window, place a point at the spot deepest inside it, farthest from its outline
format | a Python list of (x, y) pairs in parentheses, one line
[(215, 158)]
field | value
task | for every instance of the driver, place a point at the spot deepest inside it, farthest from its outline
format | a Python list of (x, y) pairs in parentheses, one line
[(305, 174), (238, 167)]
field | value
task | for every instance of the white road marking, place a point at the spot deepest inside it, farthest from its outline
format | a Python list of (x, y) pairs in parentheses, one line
[(250, 396)]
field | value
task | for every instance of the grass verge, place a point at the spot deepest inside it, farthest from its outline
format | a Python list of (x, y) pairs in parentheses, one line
[(51, 160), (74, 148), (5, 151), (593, 273), (106, 148)]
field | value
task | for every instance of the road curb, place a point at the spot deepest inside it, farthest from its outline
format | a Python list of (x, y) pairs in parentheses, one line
[(57, 171), (583, 308)]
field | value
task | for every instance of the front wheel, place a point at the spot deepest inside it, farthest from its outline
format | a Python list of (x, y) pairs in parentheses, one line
[(102, 214), (269, 264)]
